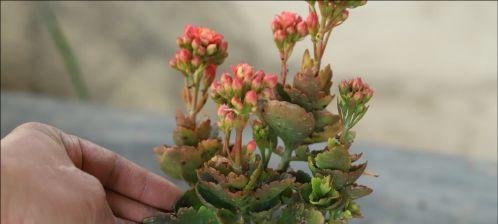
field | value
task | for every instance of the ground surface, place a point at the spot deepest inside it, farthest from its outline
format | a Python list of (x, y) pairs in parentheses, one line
[(414, 187)]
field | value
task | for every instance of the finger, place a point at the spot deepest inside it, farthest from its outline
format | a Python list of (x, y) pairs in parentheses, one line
[(127, 208), (124, 221), (121, 175)]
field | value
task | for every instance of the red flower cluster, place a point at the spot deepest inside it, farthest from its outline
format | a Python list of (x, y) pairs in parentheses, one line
[(355, 89), (288, 27), (240, 92), (199, 47)]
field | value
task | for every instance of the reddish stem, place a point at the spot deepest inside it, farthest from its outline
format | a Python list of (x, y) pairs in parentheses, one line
[(238, 146)]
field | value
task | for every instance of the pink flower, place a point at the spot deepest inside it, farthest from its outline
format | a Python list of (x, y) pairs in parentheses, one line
[(312, 22), (210, 72), (226, 80), (237, 85), (268, 93), (183, 55), (357, 84), (271, 80), (279, 35), (243, 71), (302, 29), (236, 103), (223, 110), (251, 98), (287, 19), (196, 61)]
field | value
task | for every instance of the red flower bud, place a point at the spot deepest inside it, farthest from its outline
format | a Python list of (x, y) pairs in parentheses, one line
[(223, 46), (211, 49), (223, 110), (237, 85), (358, 96), (257, 82), (196, 43), (251, 98), (312, 22), (236, 103), (279, 35), (271, 80), (357, 84), (302, 29), (268, 93), (196, 61), (201, 50), (179, 41), (275, 25), (210, 73), (226, 80), (290, 30), (184, 55)]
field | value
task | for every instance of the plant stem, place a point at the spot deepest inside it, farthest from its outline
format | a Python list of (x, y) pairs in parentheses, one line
[(226, 144), (238, 146), (284, 68)]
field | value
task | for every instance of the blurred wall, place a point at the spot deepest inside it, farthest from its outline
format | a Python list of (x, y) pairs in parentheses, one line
[(433, 64)]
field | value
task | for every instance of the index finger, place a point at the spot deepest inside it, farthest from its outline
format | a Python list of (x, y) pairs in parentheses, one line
[(120, 174)]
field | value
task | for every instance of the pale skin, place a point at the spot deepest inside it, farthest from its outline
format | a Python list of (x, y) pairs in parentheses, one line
[(48, 176)]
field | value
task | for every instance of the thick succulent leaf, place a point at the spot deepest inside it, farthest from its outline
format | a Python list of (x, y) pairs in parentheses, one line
[(323, 193), (330, 131), (264, 197), (188, 199), (325, 79), (184, 121), (203, 130), (282, 95), (324, 118), (179, 161), (265, 216), (307, 61), (297, 97), (356, 172), (214, 196), (358, 191), (299, 214), (307, 84), (289, 121), (336, 159), (302, 152), (237, 181), (209, 147), (225, 216), (184, 216), (322, 102), (183, 136)]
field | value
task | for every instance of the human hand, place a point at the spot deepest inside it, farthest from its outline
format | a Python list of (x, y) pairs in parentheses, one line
[(48, 176)]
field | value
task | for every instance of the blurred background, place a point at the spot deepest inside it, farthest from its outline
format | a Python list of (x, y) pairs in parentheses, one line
[(433, 66)]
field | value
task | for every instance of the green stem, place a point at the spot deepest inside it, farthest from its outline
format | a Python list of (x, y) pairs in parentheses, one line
[(64, 49)]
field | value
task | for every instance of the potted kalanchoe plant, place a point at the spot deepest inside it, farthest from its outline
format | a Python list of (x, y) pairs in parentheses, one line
[(230, 182)]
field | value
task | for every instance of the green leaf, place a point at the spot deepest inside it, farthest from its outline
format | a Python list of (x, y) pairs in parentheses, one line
[(188, 199), (291, 122), (358, 191), (183, 136), (184, 216), (336, 158), (299, 213), (214, 197)]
